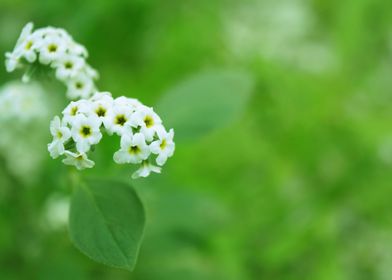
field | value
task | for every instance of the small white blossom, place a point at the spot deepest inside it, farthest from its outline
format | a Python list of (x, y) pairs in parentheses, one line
[(164, 146), (85, 132), (28, 48), (26, 32), (68, 66), (80, 87), (145, 170), (12, 61), (133, 149), (13, 58), (147, 120), (73, 109), (77, 49), (104, 95), (130, 103), (118, 117), (51, 49), (79, 160), (102, 109), (60, 135)]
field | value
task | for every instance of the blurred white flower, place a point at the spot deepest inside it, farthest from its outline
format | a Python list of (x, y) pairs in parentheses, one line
[(80, 86), (56, 210), (13, 58), (79, 160), (22, 102), (145, 170), (280, 31), (28, 48), (24, 112), (51, 49), (60, 134), (68, 66)]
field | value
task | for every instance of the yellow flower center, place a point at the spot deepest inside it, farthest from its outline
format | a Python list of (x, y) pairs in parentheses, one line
[(52, 48), (148, 121), (134, 150), (29, 44), (120, 120), (68, 65), (101, 112), (85, 131), (74, 110), (163, 144), (79, 85)]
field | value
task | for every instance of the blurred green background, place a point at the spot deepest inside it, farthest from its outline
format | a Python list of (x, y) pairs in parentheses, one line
[(293, 184)]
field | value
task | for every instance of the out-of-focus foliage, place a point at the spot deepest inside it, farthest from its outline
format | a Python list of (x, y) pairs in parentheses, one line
[(296, 187)]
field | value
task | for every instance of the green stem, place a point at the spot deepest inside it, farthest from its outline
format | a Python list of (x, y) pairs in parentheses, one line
[(74, 178)]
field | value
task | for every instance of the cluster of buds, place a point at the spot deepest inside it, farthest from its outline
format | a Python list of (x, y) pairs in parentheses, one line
[(56, 48), (144, 140)]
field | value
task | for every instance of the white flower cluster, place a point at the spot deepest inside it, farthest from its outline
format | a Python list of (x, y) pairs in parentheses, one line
[(24, 113), (22, 103), (55, 47), (143, 136)]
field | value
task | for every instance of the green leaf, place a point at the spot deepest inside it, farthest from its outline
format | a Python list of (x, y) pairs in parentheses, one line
[(107, 222), (205, 102)]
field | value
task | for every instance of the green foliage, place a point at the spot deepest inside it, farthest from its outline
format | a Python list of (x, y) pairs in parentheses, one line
[(204, 102), (106, 222)]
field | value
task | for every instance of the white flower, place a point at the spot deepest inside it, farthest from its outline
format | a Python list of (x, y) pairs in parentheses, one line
[(107, 96), (102, 109), (26, 32), (164, 146), (118, 117), (77, 49), (50, 31), (12, 61), (60, 134), (133, 149), (80, 87), (13, 58), (68, 66), (85, 132), (145, 170), (147, 119), (80, 160), (73, 109), (91, 72), (131, 103), (28, 49), (52, 49), (56, 148)]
